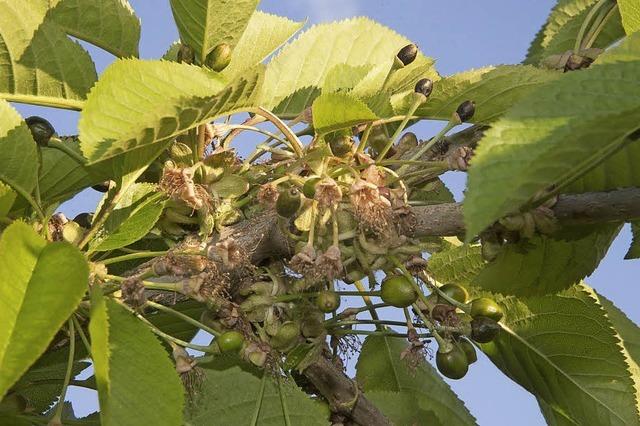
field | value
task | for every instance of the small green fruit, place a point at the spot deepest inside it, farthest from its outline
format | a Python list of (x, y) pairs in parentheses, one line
[(341, 146), (231, 341), (286, 337), (289, 202), (219, 58), (469, 350), (309, 187), (328, 301), (41, 130), (397, 291), (484, 330), (485, 307), (456, 292), (452, 363)]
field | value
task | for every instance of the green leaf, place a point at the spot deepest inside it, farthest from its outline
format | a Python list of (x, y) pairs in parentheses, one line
[(137, 382), (630, 11), (230, 186), (343, 77), (38, 63), (380, 368), (562, 349), (61, 176), (264, 34), (42, 383), (545, 265), (232, 395), (138, 104), (40, 286), (493, 89), (133, 217), (403, 409), (551, 137), (458, 265), (334, 111), (17, 149), (203, 24), (109, 24), (7, 197), (296, 75), (634, 249), (559, 33), (629, 334)]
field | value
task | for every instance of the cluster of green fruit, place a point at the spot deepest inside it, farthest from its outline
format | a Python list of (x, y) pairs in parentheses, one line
[(456, 353)]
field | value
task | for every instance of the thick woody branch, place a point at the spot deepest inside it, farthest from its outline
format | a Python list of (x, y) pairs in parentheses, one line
[(342, 393), (575, 209)]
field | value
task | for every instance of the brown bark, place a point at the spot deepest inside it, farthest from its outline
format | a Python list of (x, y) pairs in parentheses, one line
[(573, 209), (343, 394)]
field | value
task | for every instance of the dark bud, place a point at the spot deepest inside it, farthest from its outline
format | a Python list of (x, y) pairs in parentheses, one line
[(466, 110), (484, 330), (84, 220), (219, 57), (424, 87), (41, 130), (102, 187), (408, 54), (185, 54)]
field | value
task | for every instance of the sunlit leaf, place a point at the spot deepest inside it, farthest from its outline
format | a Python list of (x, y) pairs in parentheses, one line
[(40, 286)]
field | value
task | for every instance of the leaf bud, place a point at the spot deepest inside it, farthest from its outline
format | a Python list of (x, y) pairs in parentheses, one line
[(41, 130), (408, 54), (424, 87), (465, 111)]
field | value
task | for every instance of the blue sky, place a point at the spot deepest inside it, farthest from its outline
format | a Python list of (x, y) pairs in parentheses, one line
[(459, 34)]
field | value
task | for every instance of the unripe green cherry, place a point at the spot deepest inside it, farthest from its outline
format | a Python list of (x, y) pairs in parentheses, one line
[(452, 362), (328, 301), (231, 341), (309, 187), (469, 350), (289, 202), (219, 58), (485, 307), (286, 336), (456, 292), (397, 291), (341, 146)]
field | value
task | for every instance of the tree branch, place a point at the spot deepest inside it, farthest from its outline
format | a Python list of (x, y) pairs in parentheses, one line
[(573, 209), (343, 395)]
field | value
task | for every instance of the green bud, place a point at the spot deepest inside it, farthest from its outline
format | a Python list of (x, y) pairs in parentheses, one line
[(219, 58)]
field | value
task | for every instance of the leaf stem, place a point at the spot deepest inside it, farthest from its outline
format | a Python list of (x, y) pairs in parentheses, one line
[(256, 413), (425, 147), (296, 145), (419, 100), (57, 417), (599, 24), (585, 25), (183, 317), (58, 144), (132, 256), (283, 403), (365, 139), (83, 336)]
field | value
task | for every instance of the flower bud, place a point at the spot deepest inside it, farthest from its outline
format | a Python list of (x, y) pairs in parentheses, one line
[(408, 54)]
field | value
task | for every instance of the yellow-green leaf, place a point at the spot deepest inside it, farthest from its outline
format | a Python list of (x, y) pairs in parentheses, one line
[(40, 286)]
